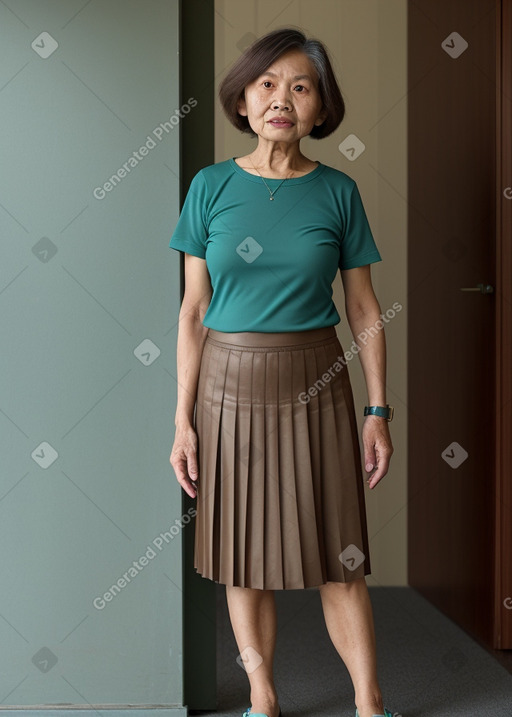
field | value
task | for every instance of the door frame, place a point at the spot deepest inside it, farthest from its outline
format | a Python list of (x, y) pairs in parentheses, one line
[(502, 634), (197, 150)]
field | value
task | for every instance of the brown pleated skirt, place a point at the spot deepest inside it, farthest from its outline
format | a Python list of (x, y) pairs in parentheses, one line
[(280, 494)]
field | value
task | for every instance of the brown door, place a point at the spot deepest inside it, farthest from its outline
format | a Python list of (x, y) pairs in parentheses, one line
[(460, 556)]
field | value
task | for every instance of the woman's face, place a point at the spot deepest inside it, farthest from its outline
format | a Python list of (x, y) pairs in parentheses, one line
[(283, 91)]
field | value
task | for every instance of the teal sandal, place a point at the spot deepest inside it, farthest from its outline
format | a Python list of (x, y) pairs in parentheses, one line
[(387, 713), (248, 713)]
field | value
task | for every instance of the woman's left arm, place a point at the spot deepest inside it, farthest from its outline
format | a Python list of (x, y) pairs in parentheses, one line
[(363, 312)]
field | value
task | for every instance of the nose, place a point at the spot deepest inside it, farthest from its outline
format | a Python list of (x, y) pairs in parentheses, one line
[(281, 99)]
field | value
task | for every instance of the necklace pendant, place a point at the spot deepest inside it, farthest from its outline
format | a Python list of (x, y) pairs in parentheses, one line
[(271, 199)]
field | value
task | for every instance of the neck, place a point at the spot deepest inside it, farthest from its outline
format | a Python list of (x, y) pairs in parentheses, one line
[(278, 157)]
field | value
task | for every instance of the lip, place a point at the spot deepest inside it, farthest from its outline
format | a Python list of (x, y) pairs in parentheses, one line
[(280, 122)]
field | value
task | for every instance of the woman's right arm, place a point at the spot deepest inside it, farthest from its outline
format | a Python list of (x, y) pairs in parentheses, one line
[(191, 337)]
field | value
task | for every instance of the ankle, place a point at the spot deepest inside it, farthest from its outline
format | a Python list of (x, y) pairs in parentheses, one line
[(266, 697), (271, 710), (265, 700), (370, 706)]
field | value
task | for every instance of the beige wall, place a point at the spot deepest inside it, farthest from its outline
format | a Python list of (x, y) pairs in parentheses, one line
[(366, 40)]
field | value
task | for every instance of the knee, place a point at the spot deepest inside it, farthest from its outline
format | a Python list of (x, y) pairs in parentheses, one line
[(330, 585)]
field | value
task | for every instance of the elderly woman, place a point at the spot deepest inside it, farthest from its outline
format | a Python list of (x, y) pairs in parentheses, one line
[(272, 453)]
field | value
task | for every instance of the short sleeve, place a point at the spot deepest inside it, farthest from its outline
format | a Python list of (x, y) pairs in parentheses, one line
[(358, 246), (191, 229)]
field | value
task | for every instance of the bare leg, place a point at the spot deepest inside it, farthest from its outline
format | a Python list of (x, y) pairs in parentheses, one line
[(349, 621), (253, 619)]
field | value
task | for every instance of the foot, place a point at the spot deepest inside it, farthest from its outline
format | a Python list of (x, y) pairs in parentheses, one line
[(370, 709), (270, 712)]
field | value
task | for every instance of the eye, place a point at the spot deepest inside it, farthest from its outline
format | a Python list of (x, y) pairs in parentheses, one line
[(268, 82)]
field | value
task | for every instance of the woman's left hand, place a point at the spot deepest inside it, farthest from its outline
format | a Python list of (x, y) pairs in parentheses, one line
[(377, 448)]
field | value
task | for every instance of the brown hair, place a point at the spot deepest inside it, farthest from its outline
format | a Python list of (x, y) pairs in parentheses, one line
[(260, 55)]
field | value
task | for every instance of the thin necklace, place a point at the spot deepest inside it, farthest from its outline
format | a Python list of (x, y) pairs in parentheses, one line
[(270, 191)]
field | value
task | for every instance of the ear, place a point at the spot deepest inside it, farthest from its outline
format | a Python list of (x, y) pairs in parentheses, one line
[(321, 117), (241, 107)]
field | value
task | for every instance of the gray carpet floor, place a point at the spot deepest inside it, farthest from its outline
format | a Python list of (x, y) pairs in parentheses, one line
[(427, 665)]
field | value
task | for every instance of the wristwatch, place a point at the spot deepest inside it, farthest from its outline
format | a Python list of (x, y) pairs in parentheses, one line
[(382, 411)]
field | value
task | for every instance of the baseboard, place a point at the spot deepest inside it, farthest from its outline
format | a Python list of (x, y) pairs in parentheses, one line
[(67, 710)]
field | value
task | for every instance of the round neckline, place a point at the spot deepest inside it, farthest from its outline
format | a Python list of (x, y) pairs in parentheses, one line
[(292, 180)]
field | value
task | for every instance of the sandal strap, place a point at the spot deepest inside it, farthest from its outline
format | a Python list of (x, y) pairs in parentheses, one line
[(248, 713)]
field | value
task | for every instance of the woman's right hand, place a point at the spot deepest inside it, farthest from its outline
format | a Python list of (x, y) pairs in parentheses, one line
[(183, 458)]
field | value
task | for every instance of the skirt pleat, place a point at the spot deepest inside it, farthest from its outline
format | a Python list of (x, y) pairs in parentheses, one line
[(280, 493)]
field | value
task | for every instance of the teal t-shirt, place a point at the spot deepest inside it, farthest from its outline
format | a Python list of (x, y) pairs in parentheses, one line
[(272, 263)]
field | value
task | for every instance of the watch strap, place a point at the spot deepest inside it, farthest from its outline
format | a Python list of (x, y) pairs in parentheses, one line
[(382, 411)]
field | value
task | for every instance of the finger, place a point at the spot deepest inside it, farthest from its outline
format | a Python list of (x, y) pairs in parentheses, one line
[(380, 472), (375, 478), (370, 459), (191, 490), (192, 465), (188, 487), (180, 468), (370, 456)]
